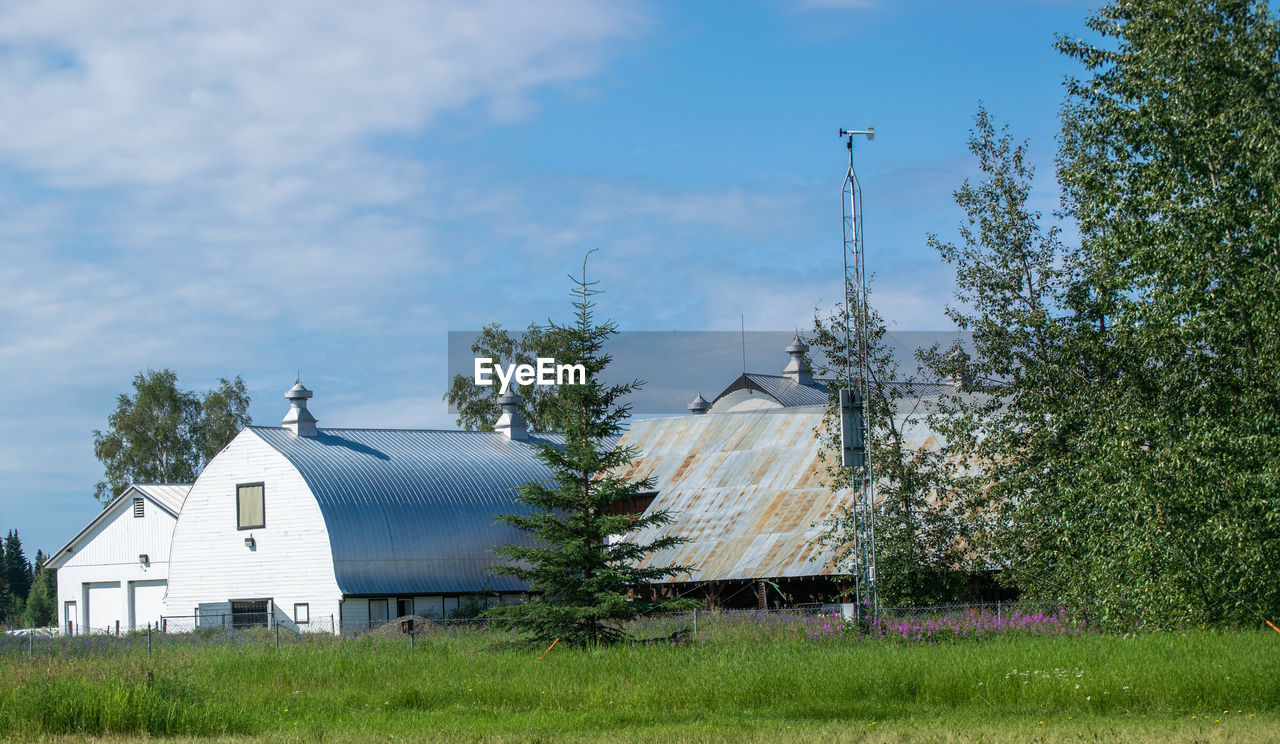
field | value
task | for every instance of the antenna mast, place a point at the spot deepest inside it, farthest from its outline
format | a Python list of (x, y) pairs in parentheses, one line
[(855, 389)]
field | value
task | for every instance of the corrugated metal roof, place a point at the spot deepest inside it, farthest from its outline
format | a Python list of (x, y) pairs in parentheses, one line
[(791, 394), (411, 511), (785, 390), (168, 495), (744, 488)]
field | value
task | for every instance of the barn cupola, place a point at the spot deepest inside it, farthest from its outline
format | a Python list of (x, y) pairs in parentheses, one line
[(511, 423), (699, 405), (299, 420), (798, 368)]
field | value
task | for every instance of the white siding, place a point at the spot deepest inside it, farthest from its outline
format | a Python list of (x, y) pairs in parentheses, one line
[(108, 554), (291, 561), (147, 604)]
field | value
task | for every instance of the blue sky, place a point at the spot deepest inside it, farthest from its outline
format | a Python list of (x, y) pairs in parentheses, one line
[(332, 187)]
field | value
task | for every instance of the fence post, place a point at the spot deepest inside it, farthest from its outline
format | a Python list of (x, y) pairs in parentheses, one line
[(997, 609), (277, 636), (411, 639), (31, 643), (148, 639), (117, 629), (695, 626)]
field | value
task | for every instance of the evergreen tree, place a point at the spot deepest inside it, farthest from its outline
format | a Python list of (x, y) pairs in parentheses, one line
[(17, 570), (6, 596), (41, 609), (583, 568)]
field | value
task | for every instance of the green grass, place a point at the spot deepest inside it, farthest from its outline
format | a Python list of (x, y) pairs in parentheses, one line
[(469, 686)]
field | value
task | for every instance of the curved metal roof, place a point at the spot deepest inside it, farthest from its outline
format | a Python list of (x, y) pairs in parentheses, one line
[(411, 511)]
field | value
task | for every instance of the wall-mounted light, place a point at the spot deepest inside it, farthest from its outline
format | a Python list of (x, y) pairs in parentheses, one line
[(250, 543), (144, 560)]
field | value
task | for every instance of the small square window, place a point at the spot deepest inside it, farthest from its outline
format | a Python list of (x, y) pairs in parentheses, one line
[(139, 509), (249, 506), (302, 613)]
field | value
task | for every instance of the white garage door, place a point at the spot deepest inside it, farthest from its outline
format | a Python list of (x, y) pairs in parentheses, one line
[(104, 607), (148, 602)]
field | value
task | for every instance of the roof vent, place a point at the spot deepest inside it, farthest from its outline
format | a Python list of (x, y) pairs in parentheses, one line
[(511, 423), (798, 368), (299, 420), (699, 405)]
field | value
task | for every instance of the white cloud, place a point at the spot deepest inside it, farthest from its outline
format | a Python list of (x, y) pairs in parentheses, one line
[(102, 93)]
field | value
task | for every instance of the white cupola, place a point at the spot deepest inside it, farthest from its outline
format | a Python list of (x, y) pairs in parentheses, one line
[(511, 423), (798, 368), (299, 420)]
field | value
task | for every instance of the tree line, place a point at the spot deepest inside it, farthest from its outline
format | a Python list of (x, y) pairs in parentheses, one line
[(1115, 443), (28, 590), (159, 433)]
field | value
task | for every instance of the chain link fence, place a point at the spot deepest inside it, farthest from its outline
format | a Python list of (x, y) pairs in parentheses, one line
[(827, 622)]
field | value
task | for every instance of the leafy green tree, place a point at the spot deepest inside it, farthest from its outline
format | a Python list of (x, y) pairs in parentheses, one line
[(477, 405), (919, 530), (223, 413), (1016, 429), (162, 434), (583, 567), (152, 436), (1171, 165)]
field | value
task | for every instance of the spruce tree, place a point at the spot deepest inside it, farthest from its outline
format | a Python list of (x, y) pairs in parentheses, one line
[(583, 569), (17, 570)]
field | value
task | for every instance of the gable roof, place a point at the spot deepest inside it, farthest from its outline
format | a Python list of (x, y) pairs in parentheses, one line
[(743, 488), (167, 496), (412, 511), (786, 391)]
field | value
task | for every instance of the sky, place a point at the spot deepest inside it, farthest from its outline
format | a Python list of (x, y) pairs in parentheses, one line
[(252, 189)]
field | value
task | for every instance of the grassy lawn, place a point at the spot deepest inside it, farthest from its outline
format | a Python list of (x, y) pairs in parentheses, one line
[(1193, 686)]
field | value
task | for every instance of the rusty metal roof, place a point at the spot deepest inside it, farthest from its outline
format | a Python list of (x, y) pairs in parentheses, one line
[(746, 489)]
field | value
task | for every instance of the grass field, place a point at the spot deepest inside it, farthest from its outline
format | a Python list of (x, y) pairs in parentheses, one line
[(1195, 686)]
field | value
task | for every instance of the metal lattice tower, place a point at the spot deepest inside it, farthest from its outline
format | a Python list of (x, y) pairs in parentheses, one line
[(855, 392)]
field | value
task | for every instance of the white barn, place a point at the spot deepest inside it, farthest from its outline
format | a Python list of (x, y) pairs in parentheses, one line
[(112, 576), (346, 528)]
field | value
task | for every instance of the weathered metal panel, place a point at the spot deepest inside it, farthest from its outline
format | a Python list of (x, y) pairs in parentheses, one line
[(412, 512), (745, 490)]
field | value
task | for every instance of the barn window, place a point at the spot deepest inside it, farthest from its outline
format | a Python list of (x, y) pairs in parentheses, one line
[(302, 613), (249, 614), (139, 510), (249, 507)]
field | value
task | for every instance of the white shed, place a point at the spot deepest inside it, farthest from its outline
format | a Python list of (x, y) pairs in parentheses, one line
[(113, 575)]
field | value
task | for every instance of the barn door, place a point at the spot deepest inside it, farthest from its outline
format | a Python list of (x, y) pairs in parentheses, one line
[(377, 612)]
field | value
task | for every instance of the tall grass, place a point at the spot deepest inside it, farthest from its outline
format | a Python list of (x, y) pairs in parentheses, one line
[(738, 679)]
